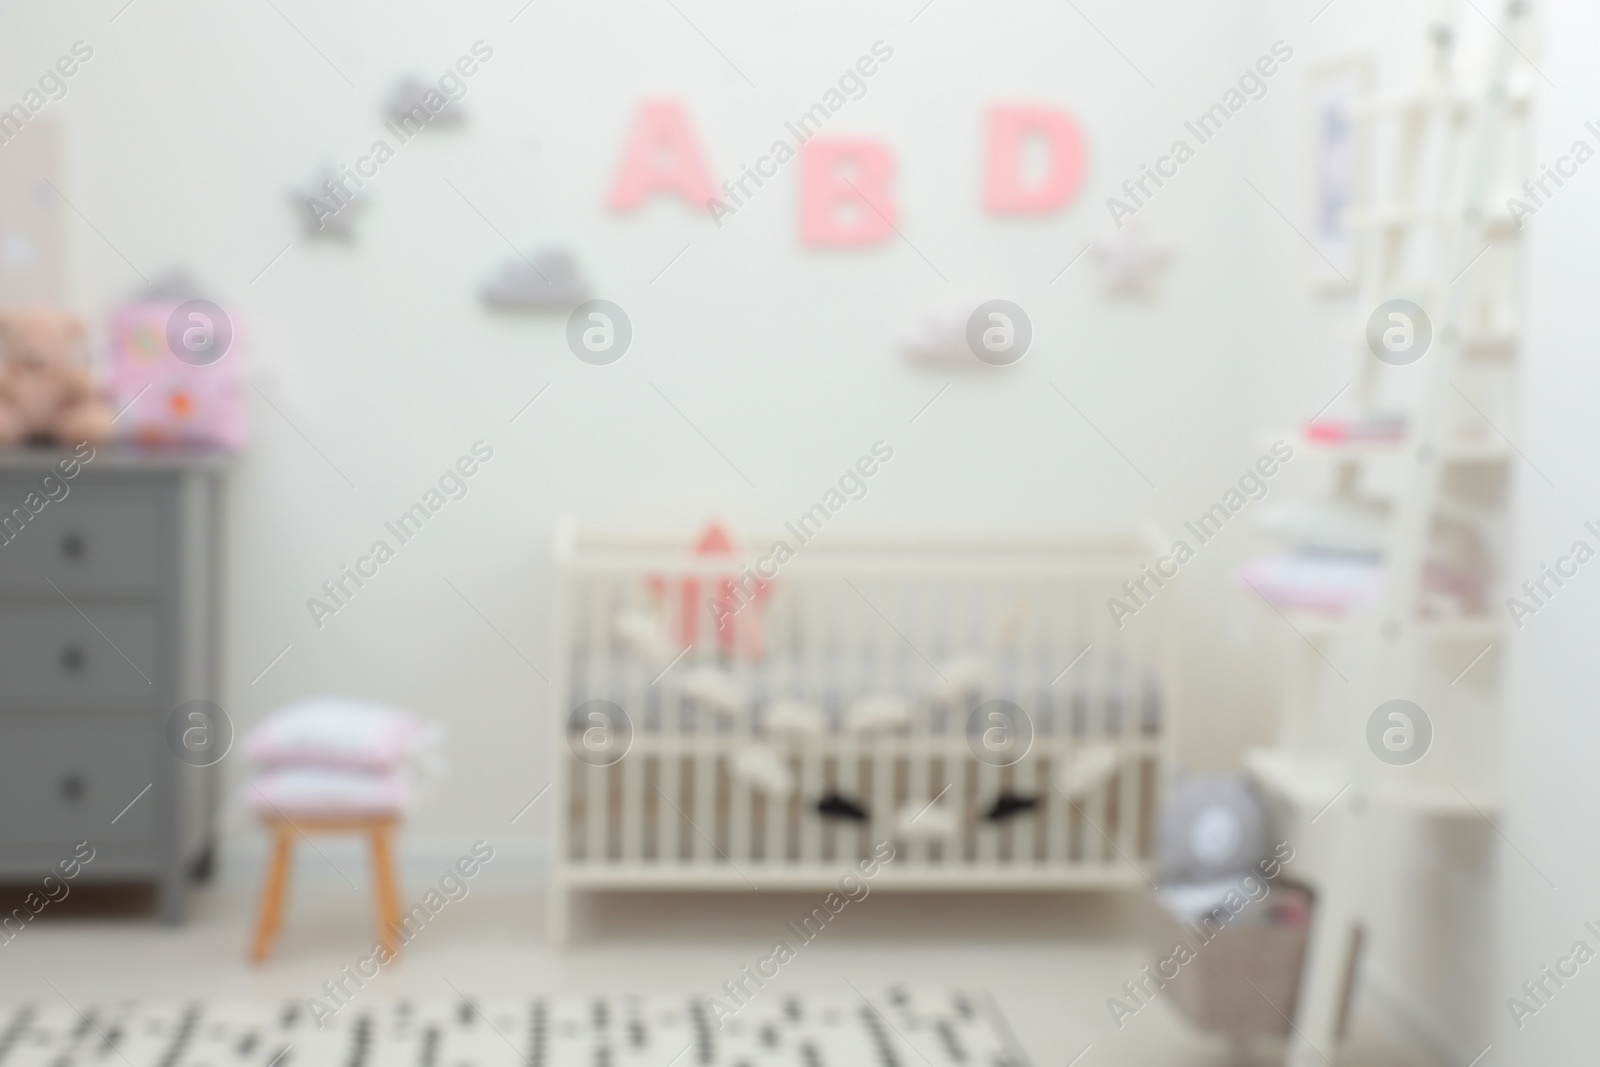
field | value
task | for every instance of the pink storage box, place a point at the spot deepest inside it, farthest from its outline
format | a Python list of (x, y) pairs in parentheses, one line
[(177, 403)]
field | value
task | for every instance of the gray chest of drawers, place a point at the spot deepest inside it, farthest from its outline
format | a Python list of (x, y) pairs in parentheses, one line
[(109, 627)]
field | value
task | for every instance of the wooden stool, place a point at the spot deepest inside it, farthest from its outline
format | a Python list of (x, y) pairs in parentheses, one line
[(376, 828)]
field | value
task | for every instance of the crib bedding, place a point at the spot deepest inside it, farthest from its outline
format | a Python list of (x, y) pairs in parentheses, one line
[(1097, 696)]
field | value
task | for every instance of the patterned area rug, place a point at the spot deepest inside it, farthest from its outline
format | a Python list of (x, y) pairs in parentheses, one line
[(899, 1028)]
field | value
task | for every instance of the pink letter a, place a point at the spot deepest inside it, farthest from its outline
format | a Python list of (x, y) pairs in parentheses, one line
[(662, 157)]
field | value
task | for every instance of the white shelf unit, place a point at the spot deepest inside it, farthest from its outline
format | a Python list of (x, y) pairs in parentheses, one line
[(1312, 782), (1433, 231)]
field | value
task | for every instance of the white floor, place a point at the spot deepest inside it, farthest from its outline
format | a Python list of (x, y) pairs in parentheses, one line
[(1049, 962)]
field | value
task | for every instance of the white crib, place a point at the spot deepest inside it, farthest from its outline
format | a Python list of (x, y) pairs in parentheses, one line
[(840, 620)]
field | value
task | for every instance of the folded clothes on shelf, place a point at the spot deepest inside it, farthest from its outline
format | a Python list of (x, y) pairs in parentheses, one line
[(1377, 426), (1325, 525), (1315, 581), (1335, 582)]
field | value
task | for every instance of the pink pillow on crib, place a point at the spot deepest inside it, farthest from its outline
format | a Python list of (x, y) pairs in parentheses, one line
[(337, 732)]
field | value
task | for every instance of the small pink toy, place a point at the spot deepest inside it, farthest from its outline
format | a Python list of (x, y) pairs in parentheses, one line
[(718, 600)]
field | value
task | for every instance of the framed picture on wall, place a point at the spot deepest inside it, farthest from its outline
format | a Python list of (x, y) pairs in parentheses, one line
[(32, 238), (1339, 163)]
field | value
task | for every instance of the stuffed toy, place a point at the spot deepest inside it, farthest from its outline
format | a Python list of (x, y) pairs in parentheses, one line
[(47, 395), (1213, 826)]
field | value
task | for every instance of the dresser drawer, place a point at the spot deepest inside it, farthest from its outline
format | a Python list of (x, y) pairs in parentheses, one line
[(64, 781), (97, 537), (53, 657)]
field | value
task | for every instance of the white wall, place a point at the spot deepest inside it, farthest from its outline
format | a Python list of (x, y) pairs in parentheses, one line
[(1546, 866)]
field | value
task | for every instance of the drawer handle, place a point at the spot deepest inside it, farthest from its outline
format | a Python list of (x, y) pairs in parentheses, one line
[(73, 546), (71, 788), (73, 659)]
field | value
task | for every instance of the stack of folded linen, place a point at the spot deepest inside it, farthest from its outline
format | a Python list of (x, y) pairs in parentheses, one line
[(336, 758)]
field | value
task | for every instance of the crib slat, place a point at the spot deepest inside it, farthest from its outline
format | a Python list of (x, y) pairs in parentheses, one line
[(961, 766), (997, 614), (1128, 804), (887, 666), (703, 758), (632, 766), (850, 623), (1096, 841), (918, 791), (810, 655), (597, 795), (915, 791), (775, 809), (1058, 634), (739, 798), (985, 615), (1026, 828), (669, 799)]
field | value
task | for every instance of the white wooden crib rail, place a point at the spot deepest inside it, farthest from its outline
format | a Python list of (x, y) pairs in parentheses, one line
[(942, 627)]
